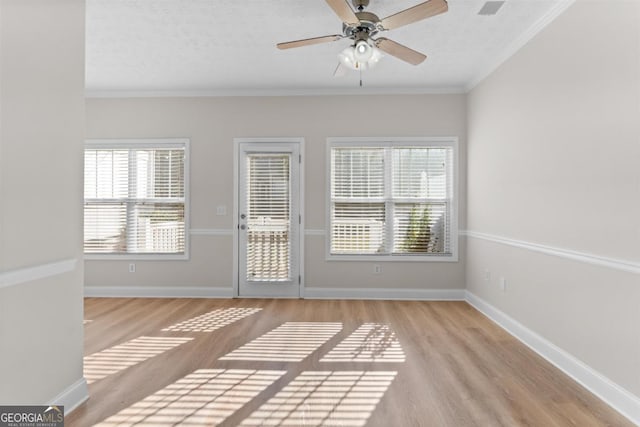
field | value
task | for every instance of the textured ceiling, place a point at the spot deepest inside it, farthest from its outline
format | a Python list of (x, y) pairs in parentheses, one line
[(228, 46)]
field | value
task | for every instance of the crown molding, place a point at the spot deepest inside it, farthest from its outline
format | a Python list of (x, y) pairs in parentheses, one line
[(519, 43), (221, 93)]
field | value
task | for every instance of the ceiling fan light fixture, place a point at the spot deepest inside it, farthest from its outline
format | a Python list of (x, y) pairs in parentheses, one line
[(362, 51), (353, 57), (348, 58), (376, 54)]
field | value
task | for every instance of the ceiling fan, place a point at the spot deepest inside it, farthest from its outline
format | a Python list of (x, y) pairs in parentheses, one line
[(362, 26)]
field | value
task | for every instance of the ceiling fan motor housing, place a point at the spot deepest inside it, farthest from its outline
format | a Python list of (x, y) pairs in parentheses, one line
[(368, 26)]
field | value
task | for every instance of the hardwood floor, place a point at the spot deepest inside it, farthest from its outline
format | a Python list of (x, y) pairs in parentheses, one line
[(235, 362)]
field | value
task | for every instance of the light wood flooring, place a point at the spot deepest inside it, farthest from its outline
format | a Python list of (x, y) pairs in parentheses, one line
[(198, 362)]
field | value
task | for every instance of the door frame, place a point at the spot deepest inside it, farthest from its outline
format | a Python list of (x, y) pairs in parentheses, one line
[(236, 206)]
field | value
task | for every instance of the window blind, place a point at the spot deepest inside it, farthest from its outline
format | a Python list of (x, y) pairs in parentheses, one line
[(134, 200), (358, 173), (358, 208), (268, 217), (422, 188), (391, 199)]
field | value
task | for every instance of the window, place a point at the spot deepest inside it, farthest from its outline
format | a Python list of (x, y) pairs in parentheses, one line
[(134, 197), (392, 199)]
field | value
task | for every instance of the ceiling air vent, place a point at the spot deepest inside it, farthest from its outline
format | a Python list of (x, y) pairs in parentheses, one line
[(491, 8)]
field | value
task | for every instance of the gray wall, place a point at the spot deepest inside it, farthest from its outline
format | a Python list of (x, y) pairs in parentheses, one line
[(554, 157), (41, 140), (212, 123)]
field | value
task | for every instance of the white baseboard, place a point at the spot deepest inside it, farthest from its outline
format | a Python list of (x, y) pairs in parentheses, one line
[(72, 397), (385, 294), (156, 292), (615, 396)]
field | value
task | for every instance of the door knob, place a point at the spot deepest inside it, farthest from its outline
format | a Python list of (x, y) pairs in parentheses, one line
[(242, 227)]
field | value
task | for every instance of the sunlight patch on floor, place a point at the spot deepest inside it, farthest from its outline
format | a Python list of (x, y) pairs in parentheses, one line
[(122, 356), (324, 398), (204, 398), (212, 320), (289, 342), (371, 342)]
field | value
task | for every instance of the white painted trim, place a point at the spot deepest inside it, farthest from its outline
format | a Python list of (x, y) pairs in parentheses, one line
[(309, 293), (617, 397), (30, 274), (229, 232), (136, 143), (157, 292), (136, 257), (301, 230), (364, 91), (385, 294), (392, 258), (211, 232), (72, 397), (235, 279), (555, 11), (617, 264)]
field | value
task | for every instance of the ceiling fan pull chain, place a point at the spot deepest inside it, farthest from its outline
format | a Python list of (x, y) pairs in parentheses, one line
[(360, 76)]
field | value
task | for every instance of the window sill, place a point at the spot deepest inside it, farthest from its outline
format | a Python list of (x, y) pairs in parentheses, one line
[(393, 258), (136, 257)]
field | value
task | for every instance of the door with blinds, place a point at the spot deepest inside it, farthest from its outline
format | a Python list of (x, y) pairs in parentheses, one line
[(269, 219)]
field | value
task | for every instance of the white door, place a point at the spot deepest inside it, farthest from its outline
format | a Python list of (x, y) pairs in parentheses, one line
[(268, 219)]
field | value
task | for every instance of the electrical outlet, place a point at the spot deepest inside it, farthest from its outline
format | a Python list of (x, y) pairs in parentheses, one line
[(221, 210), (377, 269), (503, 284), (132, 268)]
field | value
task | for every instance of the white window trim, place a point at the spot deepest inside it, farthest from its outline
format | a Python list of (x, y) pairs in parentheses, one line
[(141, 143), (450, 141)]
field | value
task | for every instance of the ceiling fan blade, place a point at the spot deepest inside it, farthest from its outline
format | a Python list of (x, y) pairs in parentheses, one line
[(399, 51), (416, 13), (308, 42), (340, 71), (344, 11)]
